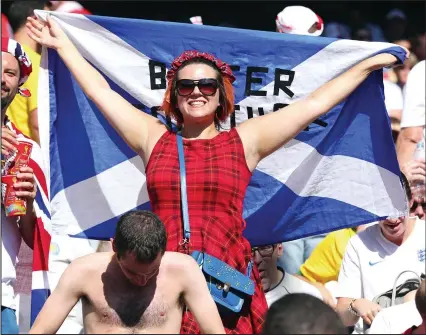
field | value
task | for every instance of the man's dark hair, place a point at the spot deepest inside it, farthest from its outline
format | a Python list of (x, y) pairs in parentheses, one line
[(302, 313), (142, 233), (20, 10), (420, 298)]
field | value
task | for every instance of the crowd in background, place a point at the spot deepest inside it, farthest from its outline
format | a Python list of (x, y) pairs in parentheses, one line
[(338, 268)]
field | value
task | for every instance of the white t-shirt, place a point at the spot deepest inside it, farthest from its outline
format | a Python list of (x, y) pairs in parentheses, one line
[(393, 96), (371, 263), (290, 284), (413, 114), (396, 319), (10, 244)]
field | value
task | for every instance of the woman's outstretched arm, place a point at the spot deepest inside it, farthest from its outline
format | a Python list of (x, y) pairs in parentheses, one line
[(263, 135), (135, 127)]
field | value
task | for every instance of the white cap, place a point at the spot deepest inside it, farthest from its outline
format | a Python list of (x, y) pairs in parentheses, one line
[(297, 20), (196, 20)]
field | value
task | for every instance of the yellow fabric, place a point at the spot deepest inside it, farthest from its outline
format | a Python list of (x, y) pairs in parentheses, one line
[(324, 263), (20, 109)]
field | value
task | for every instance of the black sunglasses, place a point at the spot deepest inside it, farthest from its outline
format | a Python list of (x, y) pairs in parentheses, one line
[(207, 86), (416, 203), (266, 250)]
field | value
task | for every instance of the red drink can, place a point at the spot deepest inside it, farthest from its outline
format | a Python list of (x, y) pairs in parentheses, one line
[(13, 205), (22, 157)]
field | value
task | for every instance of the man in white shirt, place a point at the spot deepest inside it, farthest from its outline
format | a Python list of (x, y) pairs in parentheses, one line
[(16, 68), (275, 281), (374, 259), (413, 114)]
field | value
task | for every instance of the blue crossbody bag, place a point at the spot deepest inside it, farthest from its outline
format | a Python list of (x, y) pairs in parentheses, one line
[(228, 287)]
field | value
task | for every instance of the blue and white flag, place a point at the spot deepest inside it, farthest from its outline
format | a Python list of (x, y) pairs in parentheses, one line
[(341, 171)]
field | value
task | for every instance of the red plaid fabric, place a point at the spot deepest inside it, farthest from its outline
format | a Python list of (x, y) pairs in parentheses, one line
[(217, 179)]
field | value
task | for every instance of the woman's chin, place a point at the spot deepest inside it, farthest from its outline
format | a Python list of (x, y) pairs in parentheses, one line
[(199, 115)]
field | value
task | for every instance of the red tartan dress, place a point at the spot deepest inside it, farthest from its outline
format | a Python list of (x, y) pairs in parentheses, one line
[(217, 179)]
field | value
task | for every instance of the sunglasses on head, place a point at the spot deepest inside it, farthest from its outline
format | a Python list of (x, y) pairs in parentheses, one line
[(207, 86)]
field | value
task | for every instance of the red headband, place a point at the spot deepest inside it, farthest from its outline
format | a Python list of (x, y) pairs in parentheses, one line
[(25, 67), (224, 68)]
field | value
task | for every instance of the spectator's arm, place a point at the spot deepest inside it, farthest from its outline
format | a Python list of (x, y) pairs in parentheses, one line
[(27, 190), (342, 309), (327, 297), (133, 125), (413, 114), (27, 224), (264, 134), (366, 309), (140, 130), (199, 300), (349, 284), (62, 300)]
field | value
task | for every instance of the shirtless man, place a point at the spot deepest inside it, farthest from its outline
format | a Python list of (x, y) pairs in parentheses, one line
[(136, 288)]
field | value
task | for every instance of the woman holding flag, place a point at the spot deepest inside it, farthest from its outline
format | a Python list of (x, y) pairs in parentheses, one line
[(219, 164)]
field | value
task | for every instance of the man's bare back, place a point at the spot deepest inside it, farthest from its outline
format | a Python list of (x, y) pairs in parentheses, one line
[(112, 304)]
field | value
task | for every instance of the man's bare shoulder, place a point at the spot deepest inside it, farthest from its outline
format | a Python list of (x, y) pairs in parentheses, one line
[(176, 261), (92, 262)]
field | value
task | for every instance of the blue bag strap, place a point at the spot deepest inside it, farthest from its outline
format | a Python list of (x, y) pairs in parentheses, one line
[(249, 268), (183, 194)]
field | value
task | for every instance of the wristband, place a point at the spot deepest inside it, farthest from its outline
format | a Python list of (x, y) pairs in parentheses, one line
[(351, 308)]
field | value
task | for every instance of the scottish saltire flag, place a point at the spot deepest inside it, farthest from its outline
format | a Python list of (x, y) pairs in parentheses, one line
[(42, 233), (341, 171)]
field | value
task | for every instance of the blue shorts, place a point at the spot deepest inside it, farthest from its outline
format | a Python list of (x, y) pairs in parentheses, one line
[(9, 325)]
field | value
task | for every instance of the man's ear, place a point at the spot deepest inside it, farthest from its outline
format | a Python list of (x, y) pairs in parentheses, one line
[(280, 250), (113, 244)]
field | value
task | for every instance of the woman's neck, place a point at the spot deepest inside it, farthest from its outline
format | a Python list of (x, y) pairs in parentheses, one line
[(199, 131)]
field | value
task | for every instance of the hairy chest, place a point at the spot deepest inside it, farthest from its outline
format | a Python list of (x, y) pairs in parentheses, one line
[(132, 307)]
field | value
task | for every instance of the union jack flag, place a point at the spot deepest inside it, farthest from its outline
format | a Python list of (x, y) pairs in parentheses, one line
[(42, 234)]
